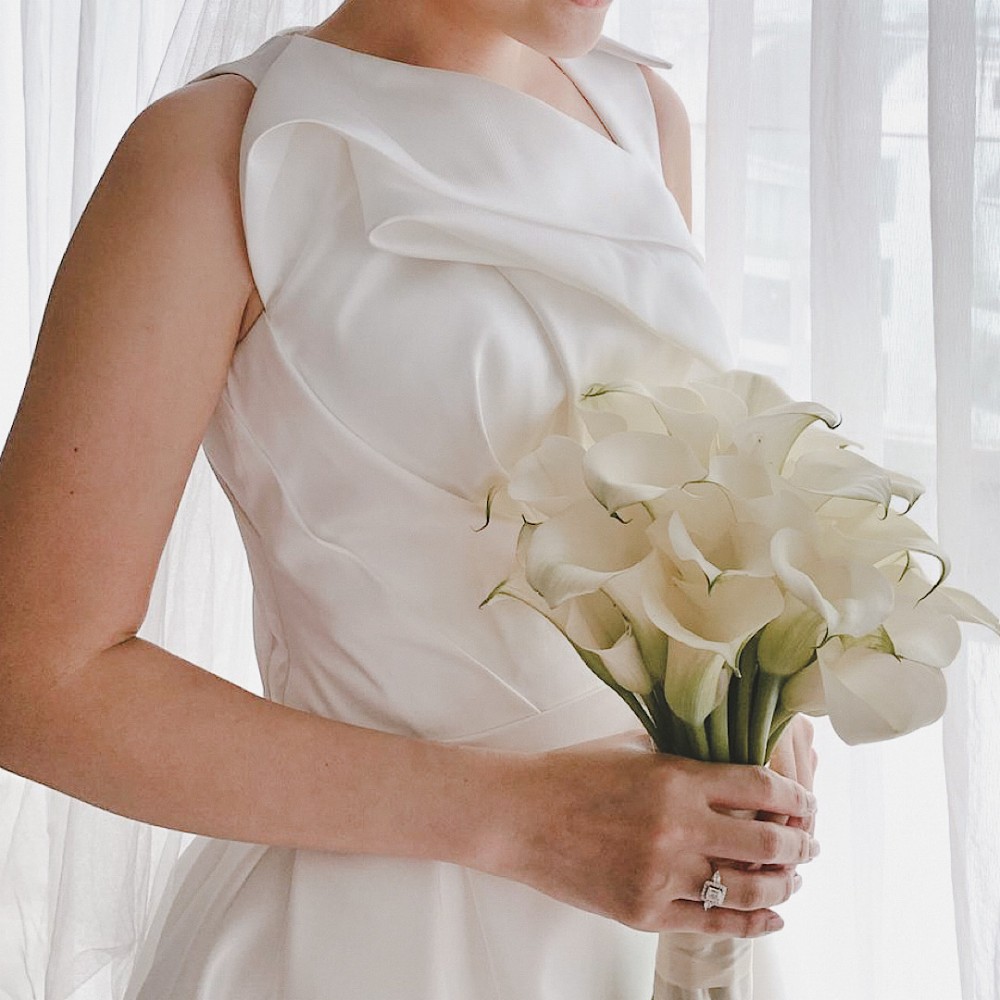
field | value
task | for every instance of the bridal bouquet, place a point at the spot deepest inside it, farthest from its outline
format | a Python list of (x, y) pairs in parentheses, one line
[(723, 560)]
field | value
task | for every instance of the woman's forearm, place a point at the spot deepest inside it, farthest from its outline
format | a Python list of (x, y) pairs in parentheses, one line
[(146, 734)]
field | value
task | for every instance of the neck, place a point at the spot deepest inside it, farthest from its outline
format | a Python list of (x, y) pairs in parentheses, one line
[(508, 47)]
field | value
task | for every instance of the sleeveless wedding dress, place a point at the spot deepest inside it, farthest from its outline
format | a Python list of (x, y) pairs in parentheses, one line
[(445, 263)]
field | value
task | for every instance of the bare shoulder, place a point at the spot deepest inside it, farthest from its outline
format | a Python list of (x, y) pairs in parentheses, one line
[(674, 128), (203, 121)]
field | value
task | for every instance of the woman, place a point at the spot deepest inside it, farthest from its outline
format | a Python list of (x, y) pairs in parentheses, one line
[(368, 275)]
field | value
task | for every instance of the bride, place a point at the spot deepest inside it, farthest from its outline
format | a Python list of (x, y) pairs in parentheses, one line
[(428, 796)]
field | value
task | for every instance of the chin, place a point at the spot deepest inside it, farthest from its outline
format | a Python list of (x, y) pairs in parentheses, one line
[(561, 28)]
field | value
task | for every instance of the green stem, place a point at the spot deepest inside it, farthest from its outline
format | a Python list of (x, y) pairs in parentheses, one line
[(739, 733), (678, 741), (718, 732), (664, 735), (764, 704)]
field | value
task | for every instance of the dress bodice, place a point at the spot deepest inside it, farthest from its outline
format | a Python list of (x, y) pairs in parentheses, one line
[(444, 263)]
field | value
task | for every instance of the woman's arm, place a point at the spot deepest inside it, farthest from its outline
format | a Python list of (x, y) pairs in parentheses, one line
[(132, 356)]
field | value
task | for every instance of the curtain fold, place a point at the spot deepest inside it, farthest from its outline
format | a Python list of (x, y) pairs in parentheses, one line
[(846, 170), (963, 68)]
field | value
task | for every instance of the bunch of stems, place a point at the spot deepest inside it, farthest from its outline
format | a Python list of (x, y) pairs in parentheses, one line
[(743, 729)]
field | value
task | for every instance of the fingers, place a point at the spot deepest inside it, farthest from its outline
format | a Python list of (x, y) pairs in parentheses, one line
[(743, 786), (805, 756), (805, 763), (754, 890), (687, 916), (784, 757), (759, 842)]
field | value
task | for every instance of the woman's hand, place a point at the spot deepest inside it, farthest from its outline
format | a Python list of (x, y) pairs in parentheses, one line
[(616, 828), (795, 758)]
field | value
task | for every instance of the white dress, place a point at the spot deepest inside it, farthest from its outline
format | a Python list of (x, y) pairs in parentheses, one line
[(445, 262)]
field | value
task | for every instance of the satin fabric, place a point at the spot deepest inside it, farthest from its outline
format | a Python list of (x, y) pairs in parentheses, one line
[(445, 264)]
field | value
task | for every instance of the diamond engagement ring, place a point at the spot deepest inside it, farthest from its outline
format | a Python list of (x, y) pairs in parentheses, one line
[(713, 892)]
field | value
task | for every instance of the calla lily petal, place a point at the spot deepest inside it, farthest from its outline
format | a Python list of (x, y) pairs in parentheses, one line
[(842, 473), (551, 477), (578, 550), (877, 539), (934, 639), (720, 620), (876, 696), (625, 664), (741, 474), (852, 597), (636, 466), (757, 391), (626, 590), (789, 642), (803, 692), (770, 435), (695, 682), (963, 606), (818, 437), (685, 550), (595, 625)]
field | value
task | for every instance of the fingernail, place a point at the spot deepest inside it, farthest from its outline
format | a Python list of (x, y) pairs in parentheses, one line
[(774, 923), (813, 848), (797, 882), (811, 803)]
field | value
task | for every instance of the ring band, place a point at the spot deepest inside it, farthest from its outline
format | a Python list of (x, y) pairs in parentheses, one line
[(713, 892)]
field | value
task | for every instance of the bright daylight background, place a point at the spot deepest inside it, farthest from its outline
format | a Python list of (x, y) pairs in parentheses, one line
[(846, 160)]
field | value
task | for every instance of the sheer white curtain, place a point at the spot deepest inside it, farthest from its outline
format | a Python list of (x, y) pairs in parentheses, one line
[(847, 196)]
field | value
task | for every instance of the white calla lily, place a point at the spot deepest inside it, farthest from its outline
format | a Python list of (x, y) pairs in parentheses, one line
[(678, 411), (581, 548), (923, 624), (803, 692), (615, 407), (727, 407), (769, 436), (695, 682), (758, 392), (595, 625), (962, 606), (600, 634), (843, 473), (863, 534), (720, 619), (819, 437), (742, 475), (636, 467), (851, 596), (549, 478), (916, 634), (790, 641), (873, 696), (626, 589), (705, 525)]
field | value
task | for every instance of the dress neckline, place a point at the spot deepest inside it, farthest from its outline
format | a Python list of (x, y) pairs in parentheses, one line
[(564, 64)]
